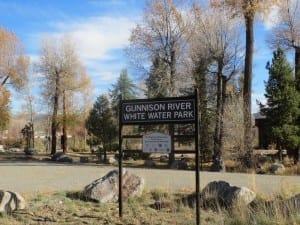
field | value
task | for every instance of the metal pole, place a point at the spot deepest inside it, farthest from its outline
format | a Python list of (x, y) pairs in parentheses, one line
[(120, 160), (197, 169)]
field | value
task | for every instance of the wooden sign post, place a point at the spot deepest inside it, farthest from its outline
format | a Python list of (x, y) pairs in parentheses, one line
[(181, 110)]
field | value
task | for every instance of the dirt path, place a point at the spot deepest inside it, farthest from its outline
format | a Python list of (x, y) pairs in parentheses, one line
[(44, 177)]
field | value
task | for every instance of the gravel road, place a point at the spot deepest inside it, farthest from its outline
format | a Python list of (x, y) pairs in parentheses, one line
[(44, 177)]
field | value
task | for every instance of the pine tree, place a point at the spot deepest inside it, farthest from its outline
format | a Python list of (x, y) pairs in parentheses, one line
[(156, 83), (282, 108), (125, 87), (100, 123)]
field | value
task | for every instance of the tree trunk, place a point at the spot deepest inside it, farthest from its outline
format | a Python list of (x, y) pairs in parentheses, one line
[(172, 94), (249, 22), (64, 135), (297, 79), (54, 115), (298, 159), (54, 125), (4, 81), (203, 115), (32, 130), (105, 155), (297, 67), (221, 138), (217, 153), (172, 154)]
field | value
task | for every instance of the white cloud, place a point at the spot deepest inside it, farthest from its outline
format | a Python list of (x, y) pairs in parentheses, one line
[(95, 37)]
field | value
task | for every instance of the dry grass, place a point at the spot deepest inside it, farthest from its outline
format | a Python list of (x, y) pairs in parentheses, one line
[(70, 208), (275, 212), (152, 208)]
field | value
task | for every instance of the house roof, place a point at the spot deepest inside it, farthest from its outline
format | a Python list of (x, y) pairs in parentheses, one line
[(258, 116)]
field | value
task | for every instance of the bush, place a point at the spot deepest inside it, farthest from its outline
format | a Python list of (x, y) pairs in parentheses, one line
[(12, 143)]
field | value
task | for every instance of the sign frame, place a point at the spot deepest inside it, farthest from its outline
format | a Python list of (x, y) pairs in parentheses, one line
[(187, 103)]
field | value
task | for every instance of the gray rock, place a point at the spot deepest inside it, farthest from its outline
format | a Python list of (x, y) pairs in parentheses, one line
[(164, 158), (179, 164), (61, 157), (11, 201), (223, 193), (149, 163), (65, 159), (30, 151), (111, 160), (57, 156), (106, 189), (2, 148), (14, 149), (218, 166), (84, 159), (277, 168)]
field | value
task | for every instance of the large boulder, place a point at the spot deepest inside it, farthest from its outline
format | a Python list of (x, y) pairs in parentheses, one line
[(14, 149), (218, 166), (84, 159), (11, 201), (2, 148), (65, 159), (58, 155), (149, 163), (111, 160), (223, 193), (277, 168), (164, 158), (106, 189), (61, 157), (179, 164), (30, 151)]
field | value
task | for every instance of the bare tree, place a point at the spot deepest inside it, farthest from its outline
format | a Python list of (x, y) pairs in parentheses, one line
[(13, 62), (198, 66), (247, 9), (219, 36), (87, 103), (287, 33), (233, 123), (13, 70), (160, 38), (4, 108), (61, 70)]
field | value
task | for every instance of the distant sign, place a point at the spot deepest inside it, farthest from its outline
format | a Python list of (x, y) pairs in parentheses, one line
[(157, 143), (159, 111)]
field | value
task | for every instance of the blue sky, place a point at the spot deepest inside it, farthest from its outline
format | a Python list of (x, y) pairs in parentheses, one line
[(101, 29)]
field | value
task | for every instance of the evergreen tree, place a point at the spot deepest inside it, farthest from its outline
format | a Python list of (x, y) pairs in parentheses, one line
[(156, 83), (100, 123), (124, 87), (282, 108)]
